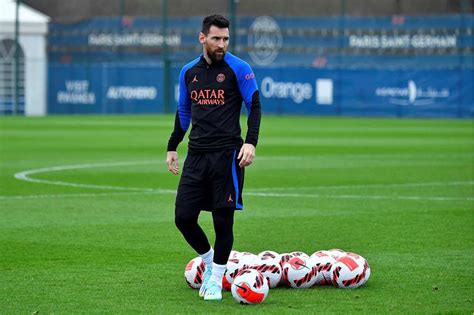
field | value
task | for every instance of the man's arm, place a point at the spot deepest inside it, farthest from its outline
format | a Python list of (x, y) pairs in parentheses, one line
[(247, 152), (181, 125), (177, 135), (253, 120), (249, 91)]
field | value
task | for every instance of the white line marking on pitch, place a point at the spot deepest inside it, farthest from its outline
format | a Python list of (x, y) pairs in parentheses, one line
[(25, 176), (460, 183), (297, 195), (105, 194), (250, 193)]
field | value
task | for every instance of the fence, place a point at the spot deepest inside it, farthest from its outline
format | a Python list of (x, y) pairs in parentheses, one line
[(385, 66)]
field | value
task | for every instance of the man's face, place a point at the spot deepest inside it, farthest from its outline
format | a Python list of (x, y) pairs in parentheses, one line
[(216, 42)]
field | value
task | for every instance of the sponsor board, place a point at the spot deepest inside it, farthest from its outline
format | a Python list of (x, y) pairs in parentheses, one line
[(429, 93), (296, 91), (412, 94), (77, 92), (132, 92)]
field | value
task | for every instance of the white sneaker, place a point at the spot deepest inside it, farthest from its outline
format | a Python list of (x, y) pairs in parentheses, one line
[(205, 280), (213, 292)]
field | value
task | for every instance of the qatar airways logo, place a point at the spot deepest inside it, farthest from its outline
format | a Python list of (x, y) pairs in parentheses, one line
[(208, 97), (412, 94)]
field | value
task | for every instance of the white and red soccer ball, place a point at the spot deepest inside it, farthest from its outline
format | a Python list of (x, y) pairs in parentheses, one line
[(193, 272), (300, 272), (249, 287), (350, 271)]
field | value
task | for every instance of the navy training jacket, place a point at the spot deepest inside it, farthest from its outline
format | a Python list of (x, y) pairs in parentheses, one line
[(211, 96)]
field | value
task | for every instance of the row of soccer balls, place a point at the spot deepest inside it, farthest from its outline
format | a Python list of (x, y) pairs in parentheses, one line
[(246, 272)]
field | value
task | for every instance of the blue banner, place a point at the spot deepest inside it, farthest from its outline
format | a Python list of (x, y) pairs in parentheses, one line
[(119, 88), (105, 88), (436, 93)]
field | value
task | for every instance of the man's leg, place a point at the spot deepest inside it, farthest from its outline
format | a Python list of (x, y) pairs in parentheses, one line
[(187, 222), (223, 226)]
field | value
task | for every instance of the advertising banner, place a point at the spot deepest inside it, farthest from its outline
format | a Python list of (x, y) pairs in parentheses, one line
[(116, 88), (105, 88)]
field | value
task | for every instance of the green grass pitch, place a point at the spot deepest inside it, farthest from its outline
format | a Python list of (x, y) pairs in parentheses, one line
[(87, 226)]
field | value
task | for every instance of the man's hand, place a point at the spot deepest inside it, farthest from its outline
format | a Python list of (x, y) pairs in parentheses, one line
[(172, 161), (246, 155)]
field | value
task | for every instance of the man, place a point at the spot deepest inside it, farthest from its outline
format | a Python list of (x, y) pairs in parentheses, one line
[(211, 90)]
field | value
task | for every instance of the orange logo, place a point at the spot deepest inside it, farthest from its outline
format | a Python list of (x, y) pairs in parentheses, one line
[(230, 198), (195, 79)]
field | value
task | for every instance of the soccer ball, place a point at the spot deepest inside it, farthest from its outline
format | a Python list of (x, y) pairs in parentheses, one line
[(271, 270), (269, 254), (366, 267), (323, 262), (350, 271), (300, 272), (194, 271), (249, 287)]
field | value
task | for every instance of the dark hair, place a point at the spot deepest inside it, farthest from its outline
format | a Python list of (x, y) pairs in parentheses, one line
[(216, 20)]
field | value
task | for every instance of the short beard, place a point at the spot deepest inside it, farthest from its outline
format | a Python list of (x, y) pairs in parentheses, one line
[(214, 57)]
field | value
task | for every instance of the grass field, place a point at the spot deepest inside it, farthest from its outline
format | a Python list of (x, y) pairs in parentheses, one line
[(88, 226)]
